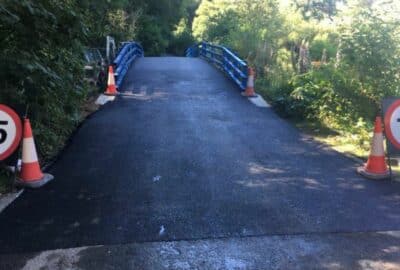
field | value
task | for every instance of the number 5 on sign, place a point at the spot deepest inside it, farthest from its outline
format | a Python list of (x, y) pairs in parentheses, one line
[(10, 131), (3, 132)]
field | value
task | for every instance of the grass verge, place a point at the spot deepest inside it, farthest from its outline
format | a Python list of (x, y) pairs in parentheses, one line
[(343, 143)]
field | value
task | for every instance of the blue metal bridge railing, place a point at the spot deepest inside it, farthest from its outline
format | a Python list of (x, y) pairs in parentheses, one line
[(224, 59), (125, 57)]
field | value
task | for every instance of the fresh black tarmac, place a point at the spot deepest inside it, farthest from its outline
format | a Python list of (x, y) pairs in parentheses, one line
[(181, 155)]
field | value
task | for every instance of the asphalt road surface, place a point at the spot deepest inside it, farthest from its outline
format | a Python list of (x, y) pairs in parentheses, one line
[(181, 158)]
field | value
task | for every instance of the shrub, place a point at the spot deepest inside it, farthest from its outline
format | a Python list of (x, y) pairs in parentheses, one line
[(41, 65)]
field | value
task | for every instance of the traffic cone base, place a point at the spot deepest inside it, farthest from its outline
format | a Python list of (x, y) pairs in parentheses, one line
[(376, 164), (376, 167), (35, 183), (374, 176), (249, 93), (31, 171), (111, 91)]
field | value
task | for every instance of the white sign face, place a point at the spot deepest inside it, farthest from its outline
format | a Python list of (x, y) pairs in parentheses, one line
[(395, 125), (10, 131)]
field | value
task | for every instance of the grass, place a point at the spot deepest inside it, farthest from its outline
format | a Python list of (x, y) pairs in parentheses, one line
[(354, 145), (342, 143), (347, 144)]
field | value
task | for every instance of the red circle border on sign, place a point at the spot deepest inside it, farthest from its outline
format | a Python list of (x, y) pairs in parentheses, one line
[(18, 132), (388, 130)]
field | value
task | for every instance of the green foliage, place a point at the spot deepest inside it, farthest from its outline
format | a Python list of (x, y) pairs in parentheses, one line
[(151, 36), (317, 9), (182, 38), (35, 76), (324, 95), (353, 49), (321, 43), (371, 54), (41, 53), (5, 180), (158, 22)]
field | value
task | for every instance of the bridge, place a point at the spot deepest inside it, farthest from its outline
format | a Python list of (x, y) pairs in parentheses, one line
[(180, 171)]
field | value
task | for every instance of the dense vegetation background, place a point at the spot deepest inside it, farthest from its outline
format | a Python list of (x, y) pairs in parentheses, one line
[(328, 62), (41, 52)]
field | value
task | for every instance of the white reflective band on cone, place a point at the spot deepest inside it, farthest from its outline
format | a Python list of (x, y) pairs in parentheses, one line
[(377, 145), (29, 151), (250, 81), (111, 80)]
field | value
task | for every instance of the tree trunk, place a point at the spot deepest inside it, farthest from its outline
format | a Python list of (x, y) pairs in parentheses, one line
[(293, 57), (338, 54), (304, 58), (324, 57)]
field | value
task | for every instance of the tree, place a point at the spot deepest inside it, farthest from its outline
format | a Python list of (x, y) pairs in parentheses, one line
[(370, 51), (158, 21), (318, 9), (41, 64)]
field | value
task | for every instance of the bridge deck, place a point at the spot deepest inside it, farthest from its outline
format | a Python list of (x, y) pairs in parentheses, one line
[(181, 155)]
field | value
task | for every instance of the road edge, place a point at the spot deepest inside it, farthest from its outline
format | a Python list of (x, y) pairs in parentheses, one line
[(7, 198)]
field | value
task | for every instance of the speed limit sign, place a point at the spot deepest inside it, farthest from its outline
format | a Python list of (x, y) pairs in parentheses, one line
[(10, 131)]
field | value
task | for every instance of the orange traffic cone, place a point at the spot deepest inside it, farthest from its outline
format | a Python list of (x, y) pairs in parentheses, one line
[(376, 167), (31, 174), (249, 92), (111, 88)]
